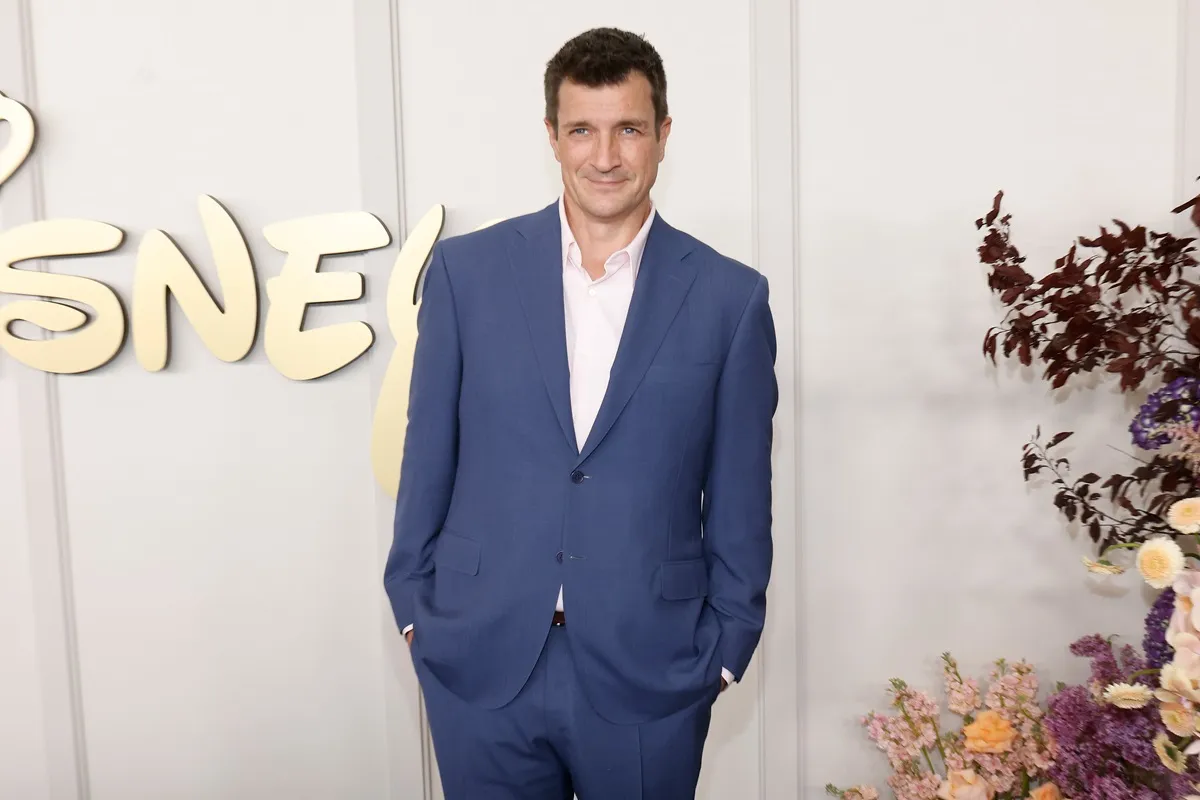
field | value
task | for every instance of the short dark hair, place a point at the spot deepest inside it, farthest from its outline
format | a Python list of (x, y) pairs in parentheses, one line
[(605, 57)]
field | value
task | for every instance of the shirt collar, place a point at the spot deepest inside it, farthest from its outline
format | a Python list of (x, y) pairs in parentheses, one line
[(634, 249)]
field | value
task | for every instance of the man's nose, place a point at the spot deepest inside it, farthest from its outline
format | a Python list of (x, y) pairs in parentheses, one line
[(608, 153)]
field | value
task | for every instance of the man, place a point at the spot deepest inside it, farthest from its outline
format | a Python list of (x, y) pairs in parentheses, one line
[(582, 534)]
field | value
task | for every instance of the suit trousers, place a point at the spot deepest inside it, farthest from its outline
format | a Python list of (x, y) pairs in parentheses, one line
[(549, 743)]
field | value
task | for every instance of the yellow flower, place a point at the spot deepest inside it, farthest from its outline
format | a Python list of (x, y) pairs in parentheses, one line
[(1126, 695), (1160, 560), (1047, 791), (1170, 755), (989, 733), (1178, 719), (1184, 516), (1102, 567)]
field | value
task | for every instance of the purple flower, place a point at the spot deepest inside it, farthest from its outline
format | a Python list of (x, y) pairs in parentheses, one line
[(1147, 428), (1154, 643), (1102, 750), (1105, 669)]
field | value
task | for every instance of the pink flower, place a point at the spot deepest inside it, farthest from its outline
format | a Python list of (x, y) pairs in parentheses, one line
[(905, 736), (861, 793), (1186, 616), (923, 786), (962, 696)]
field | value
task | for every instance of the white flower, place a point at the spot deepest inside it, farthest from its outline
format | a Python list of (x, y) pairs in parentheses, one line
[(1171, 756), (1184, 515), (1127, 695), (1160, 560)]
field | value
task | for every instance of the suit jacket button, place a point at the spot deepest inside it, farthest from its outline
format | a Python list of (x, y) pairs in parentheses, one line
[(558, 556), (577, 477)]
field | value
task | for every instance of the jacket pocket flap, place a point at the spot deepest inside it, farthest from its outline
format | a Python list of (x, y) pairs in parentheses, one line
[(457, 553), (683, 580)]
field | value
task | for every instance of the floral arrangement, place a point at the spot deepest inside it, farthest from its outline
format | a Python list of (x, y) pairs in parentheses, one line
[(1000, 745), (1123, 303), (1128, 304)]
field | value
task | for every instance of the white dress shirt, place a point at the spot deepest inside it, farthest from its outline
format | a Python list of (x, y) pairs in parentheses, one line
[(595, 312), (595, 317)]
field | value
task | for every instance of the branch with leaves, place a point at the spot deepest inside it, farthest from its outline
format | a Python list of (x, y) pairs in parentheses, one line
[(1125, 302), (1131, 308)]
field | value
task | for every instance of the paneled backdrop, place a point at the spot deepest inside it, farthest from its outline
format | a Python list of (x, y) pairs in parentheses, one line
[(190, 560)]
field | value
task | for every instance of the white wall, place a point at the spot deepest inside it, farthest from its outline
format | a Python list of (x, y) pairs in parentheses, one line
[(190, 596), (919, 535), (222, 535), (221, 518), (33, 695), (22, 737)]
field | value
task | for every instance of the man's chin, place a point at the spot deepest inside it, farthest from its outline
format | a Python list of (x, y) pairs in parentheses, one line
[(607, 207)]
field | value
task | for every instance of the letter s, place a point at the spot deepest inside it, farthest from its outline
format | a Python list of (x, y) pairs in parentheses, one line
[(100, 340)]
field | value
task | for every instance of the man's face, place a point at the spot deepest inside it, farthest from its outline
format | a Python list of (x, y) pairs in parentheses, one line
[(606, 145)]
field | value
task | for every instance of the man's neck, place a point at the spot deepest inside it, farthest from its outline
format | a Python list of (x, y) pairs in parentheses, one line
[(600, 238)]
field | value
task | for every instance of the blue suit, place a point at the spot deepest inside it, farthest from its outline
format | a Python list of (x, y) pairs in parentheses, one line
[(658, 527)]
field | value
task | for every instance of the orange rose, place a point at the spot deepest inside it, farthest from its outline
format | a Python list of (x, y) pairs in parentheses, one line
[(964, 784), (989, 733), (1047, 791)]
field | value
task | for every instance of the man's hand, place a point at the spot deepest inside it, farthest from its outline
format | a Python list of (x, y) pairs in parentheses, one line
[(408, 638), (724, 683)]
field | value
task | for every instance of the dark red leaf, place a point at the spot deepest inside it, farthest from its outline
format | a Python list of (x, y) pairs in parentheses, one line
[(1023, 353), (1059, 438), (995, 212)]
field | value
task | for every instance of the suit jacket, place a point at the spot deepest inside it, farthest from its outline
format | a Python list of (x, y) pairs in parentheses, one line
[(658, 526)]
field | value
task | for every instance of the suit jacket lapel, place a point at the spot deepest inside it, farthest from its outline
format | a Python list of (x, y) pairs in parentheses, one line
[(663, 281), (537, 265)]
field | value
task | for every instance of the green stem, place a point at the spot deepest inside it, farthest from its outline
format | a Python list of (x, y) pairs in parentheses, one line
[(937, 737)]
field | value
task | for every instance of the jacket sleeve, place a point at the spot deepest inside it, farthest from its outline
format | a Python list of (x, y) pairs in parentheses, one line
[(737, 493), (429, 460)]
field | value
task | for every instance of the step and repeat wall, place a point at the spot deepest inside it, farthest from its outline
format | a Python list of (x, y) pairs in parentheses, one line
[(195, 506)]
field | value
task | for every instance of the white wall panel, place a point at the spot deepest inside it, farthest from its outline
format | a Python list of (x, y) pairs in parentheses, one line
[(221, 517), (919, 535), (40, 732)]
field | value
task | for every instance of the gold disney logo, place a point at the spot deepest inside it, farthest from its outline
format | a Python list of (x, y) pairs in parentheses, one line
[(163, 271)]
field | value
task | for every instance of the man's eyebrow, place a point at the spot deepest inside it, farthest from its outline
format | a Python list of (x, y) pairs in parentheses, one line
[(625, 123)]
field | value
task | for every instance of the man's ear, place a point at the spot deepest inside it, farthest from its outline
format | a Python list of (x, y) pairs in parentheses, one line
[(552, 132), (664, 131)]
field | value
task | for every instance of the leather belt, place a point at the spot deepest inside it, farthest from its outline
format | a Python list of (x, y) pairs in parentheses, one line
[(560, 619)]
